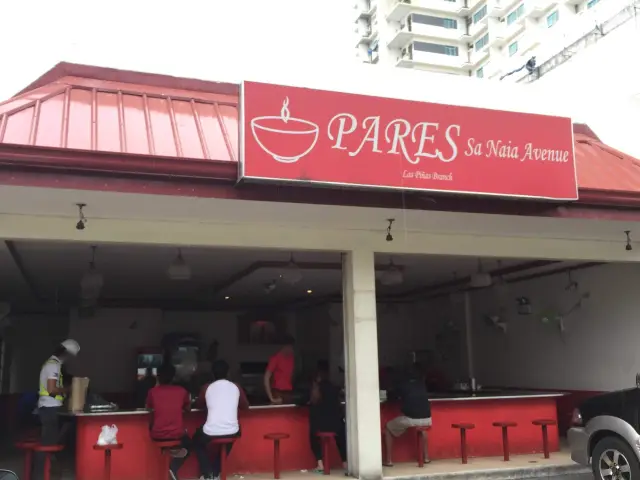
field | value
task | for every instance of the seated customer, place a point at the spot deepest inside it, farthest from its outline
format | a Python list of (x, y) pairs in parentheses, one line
[(326, 415), (416, 412), (167, 403), (223, 399)]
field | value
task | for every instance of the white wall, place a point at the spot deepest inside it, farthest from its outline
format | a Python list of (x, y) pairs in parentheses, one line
[(599, 350), (109, 340)]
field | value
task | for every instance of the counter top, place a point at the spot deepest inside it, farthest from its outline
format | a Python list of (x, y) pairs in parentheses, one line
[(492, 395), (144, 411), (448, 397)]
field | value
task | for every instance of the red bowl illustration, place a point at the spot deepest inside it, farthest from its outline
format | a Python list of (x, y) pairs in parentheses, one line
[(286, 142)]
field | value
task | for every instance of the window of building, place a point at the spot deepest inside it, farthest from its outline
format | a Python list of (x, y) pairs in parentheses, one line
[(436, 48), (480, 72), (435, 21), (591, 3), (482, 42), (552, 19), (480, 14), (513, 49), (516, 14)]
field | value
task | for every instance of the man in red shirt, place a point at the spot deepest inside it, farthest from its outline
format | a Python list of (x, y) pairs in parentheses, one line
[(279, 375), (167, 403)]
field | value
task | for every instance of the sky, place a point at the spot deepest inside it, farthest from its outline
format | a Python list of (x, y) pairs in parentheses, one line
[(231, 40), (154, 36)]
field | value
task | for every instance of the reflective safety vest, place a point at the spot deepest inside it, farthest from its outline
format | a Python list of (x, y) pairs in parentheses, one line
[(43, 387)]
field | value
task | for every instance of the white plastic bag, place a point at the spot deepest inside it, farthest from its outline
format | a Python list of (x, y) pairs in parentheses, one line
[(108, 435)]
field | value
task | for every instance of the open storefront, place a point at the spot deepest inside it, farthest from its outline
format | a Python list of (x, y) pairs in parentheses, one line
[(156, 170)]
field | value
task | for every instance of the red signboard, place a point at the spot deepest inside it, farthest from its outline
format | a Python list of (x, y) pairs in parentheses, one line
[(328, 138)]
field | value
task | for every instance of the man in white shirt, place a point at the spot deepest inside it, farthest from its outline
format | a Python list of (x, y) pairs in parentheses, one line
[(223, 399), (52, 393)]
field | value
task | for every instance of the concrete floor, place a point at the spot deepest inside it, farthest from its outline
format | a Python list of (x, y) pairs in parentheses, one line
[(559, 466)]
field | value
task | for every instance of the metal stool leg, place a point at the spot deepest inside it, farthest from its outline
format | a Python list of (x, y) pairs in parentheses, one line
[(276, 459), (545, 441)]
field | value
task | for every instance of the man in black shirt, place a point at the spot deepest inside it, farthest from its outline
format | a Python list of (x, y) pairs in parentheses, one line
[(416, 412)]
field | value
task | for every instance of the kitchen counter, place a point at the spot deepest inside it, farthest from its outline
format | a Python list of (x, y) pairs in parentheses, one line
[(491, 395), (144, 411), (140, 457)]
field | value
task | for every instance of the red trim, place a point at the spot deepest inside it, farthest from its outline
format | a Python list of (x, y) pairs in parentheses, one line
[(223, 188), (54, 159), (611, 198)]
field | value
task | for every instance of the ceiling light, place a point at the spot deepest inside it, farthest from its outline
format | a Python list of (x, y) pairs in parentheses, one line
[(92, 281), (291, 273), (179, 269), (309, 291), (480, 279), (227, 297), (392, 275)]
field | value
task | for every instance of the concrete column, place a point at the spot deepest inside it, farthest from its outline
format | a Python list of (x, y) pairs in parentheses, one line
[(361, 362)]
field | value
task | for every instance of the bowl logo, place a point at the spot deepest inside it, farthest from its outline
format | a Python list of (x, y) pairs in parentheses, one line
[(286, 139)]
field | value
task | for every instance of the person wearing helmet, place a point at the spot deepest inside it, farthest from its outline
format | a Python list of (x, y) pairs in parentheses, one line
[(52, 393)]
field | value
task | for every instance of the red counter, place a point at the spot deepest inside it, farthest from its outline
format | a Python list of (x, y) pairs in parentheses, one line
[(140, 458), (485, 440)]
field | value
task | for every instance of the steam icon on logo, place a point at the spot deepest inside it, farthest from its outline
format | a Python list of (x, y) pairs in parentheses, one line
[(286, 139)]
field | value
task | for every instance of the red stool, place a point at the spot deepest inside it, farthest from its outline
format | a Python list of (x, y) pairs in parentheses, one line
[(421, 432), (27, 446), (107, 457), (165, 447), (544, 423), (48, 450), (325, 438), (223, 454), (276, 437), (463, 427), (505, 436)]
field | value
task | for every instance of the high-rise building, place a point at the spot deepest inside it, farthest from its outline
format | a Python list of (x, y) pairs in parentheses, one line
[(481, 38)]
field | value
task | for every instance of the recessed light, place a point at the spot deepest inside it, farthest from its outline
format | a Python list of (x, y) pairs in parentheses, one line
[(309, 291), (227, 297)]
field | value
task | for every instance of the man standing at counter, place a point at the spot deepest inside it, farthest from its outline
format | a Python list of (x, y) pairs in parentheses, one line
[(52, 393), (278, 379)]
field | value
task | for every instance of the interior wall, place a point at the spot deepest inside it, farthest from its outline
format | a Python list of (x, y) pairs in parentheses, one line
[(598, 350), (109, 339), (32, 338)]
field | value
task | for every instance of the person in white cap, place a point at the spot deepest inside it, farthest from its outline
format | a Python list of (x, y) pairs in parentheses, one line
[(52, 393)]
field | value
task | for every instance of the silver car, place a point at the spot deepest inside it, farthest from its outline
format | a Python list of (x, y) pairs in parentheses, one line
[(605, 435)]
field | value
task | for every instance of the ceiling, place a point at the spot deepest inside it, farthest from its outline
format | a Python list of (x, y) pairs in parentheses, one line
[(136, 275)]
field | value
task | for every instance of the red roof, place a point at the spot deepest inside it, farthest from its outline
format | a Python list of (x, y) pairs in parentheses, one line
[(194, 123), (601, 167), (88, 114)]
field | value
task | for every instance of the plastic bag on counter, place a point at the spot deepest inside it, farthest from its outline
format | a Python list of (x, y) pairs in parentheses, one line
[(108, 435)]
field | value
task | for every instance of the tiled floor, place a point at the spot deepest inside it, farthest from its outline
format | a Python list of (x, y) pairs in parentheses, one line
[(403, 470)]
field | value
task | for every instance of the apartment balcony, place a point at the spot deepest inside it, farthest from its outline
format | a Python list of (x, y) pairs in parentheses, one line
[(365, 9), (478, 57), (403, 8), (476, 30), (366, 35), (499, 8), (426, 33), (435, 61), (502, 34), (540, 8)]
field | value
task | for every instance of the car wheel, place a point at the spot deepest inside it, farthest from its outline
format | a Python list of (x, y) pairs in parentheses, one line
[(613, 459)]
